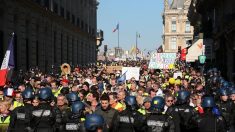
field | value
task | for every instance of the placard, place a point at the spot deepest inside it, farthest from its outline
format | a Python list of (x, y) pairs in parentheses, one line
[(162, 60), (111, 69), (131, 72)]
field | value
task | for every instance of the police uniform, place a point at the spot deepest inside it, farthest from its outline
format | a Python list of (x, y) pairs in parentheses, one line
[(208, 122), (20, 118), (160, 123), (226, 111), (74, 123), (129, 121), (182, 117), (45, 118)]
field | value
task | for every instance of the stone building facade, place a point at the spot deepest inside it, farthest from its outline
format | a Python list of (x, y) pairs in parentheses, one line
[(215, 20), (176, 27), (49, 32)]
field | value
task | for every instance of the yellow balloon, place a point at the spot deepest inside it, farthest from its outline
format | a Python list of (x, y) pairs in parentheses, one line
[(172, 81), (171, 66)]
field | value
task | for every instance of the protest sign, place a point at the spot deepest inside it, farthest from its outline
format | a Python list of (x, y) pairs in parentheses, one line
[(131, 72), (162, 60), (111, 69)]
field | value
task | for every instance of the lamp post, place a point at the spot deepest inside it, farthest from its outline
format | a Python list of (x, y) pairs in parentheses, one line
[(202, 60)]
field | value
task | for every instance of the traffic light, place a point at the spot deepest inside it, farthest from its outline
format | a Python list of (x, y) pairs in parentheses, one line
[(105, 48)]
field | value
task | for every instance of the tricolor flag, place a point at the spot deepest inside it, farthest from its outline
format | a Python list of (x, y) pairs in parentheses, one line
[(117, 28), (8, 62), (122, 79)]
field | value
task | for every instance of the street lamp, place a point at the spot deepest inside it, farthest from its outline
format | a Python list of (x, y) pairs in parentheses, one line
[(202, 60)]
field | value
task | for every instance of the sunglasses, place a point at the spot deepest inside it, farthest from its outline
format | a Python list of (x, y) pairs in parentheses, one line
[(169, 100)]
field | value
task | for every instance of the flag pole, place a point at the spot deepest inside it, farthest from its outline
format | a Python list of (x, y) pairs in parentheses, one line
[(136, 43), (118, 35)]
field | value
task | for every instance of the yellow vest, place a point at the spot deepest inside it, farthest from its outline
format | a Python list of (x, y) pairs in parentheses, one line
[(83, 119), (17, 104), (58, 92), (4, 124), (6, 121), (142, 111)]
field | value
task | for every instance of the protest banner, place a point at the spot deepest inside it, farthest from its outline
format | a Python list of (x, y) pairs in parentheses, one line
[(162, 60), (111, 69), (131, 72)]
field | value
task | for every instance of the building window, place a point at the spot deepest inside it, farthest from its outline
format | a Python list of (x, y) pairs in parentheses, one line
[(46, 3), (73, 19), (62, 11), (86, 27), (55, 7), (78, 22), (68, 15), (37, 53), (27, 53), (38, 1), (82, 24), (173, 43), (67, 59), (55, 47), (187, 39), (62, 49), (187, 27), (173, 26), (73, 51)]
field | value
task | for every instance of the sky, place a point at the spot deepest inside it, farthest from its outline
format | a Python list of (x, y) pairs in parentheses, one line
[(142, 16)]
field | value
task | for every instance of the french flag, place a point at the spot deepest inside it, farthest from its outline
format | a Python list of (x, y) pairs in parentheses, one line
[(117, 28), (8, 63)]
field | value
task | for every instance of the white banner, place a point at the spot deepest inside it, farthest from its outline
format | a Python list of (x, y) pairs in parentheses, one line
[(131, 72), (162, 60)]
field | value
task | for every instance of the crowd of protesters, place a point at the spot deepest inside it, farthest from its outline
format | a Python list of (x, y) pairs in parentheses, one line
[(92, 99)]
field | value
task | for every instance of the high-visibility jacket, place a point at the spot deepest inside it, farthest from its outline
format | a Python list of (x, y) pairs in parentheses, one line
[(4, 124), (118, 106), (57, 92), (17, 104), (142, 111)]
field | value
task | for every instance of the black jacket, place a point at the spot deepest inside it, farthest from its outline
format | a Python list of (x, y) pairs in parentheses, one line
[(74, 123), (183, 115), (158, 122), (45, 118), (210, 123), (129, 121), (20, 118)]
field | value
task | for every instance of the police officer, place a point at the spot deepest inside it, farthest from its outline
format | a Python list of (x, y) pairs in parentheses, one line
[(94, 123), (157, 121), (72, 97), (75, 120), (225, 106), (130, 120), (44, 117), (209, 121), (21, 116), (182, 112)]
